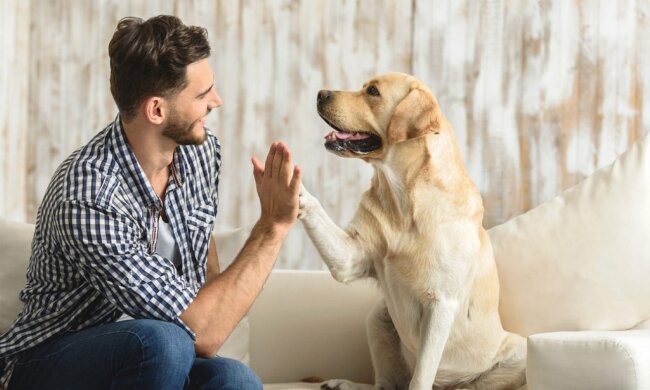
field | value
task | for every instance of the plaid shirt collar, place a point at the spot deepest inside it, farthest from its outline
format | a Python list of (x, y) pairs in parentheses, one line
[(137, 178)]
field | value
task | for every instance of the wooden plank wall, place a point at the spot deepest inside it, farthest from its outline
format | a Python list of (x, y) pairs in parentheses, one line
[(14, 57), (540, 92)]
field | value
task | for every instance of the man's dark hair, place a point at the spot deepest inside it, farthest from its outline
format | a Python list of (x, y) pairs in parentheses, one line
[(150, 58)]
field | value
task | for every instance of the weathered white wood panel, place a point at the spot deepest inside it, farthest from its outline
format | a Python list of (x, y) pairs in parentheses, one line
[(271, 59), (540, 92), (14, 123)]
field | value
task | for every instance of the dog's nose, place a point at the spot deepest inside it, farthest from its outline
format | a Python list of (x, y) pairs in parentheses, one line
[(323, 96)]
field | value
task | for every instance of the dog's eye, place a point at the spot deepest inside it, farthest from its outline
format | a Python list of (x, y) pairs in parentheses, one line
[(372, 90)]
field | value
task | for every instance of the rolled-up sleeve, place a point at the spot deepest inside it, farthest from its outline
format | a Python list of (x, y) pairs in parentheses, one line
[(108, 250)]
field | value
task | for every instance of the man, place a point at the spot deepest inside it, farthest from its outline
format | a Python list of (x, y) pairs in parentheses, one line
[(123, 286)]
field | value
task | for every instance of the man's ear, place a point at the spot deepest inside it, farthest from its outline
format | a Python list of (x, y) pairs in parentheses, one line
[(154, 109), (415, 116)]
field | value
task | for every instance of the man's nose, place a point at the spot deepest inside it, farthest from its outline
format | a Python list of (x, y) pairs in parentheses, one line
[(215, 101)]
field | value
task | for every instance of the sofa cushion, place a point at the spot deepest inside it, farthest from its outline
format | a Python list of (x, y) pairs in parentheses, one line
[(15, 249), (306, 324), (581, 261), (589, 360)]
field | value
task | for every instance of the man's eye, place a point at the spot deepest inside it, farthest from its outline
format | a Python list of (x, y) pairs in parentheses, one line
[(372, 90)]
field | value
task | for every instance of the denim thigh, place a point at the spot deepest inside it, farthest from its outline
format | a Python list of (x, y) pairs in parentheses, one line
[(137, 354), (220, 373)]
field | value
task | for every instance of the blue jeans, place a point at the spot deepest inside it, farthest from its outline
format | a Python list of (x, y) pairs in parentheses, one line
[(134, 354)]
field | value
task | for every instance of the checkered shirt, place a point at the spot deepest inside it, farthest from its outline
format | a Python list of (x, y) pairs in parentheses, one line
[(93, 248)]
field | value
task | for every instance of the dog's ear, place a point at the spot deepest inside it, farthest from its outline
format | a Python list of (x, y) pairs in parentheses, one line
[(416, 115)]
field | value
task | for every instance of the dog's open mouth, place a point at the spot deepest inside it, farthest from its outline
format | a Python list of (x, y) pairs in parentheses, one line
[(359, 142)]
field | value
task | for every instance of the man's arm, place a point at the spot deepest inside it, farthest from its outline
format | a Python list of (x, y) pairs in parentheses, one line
[(224, 300), (213, 268)]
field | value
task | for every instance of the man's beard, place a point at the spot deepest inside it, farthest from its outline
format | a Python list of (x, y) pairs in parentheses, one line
[(181, 131)]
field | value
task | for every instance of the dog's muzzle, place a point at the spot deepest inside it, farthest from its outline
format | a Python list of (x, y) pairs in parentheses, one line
[(342, 140)]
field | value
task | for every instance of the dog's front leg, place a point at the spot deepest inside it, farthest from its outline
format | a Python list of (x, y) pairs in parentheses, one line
[(435, 326), (341, 252)]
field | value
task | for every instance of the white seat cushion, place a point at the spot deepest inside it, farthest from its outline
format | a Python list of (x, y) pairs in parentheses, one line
[(581, 261), (589, 360), (306, 324)]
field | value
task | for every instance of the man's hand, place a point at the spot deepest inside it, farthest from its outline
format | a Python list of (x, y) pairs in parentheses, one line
[(278, 186)]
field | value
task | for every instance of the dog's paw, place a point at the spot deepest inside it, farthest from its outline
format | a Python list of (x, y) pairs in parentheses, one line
[(307, 203), (342, 384)]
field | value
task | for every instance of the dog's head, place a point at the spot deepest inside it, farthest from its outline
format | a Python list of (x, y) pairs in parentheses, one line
[(389, 109)]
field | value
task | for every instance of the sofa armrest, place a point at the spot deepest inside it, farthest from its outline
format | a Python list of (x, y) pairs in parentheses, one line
[(592, 360), (304, 324)]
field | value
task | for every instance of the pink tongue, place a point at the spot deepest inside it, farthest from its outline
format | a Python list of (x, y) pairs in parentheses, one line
[(332, 136)]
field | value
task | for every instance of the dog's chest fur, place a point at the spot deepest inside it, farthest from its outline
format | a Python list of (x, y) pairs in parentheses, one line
[(429, 252), (424, 238), (410, 279)]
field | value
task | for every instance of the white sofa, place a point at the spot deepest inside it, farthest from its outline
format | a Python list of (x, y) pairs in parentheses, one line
[(574, 279)]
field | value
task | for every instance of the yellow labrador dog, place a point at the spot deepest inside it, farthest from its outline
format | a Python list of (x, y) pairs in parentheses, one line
[(418, 231)]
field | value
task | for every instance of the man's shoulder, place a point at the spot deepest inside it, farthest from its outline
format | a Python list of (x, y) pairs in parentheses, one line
[(90, 178), (92, 172)]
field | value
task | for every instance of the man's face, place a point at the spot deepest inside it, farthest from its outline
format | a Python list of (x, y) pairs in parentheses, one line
[(187, 110)]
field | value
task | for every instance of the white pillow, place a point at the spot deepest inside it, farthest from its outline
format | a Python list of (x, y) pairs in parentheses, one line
[(582, 260), (15, 249)]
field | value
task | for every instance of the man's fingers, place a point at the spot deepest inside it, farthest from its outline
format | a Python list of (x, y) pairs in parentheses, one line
[(296, 181), (268, 168), (257, 164), (258, 170), (277, 159), (286, 168)]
